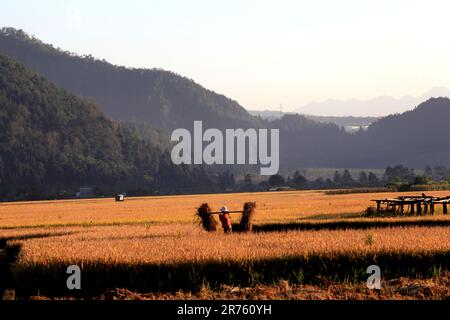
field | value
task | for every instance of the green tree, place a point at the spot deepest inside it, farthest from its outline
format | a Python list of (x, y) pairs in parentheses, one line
[(337, 179), (363, 178), (277, 180), (422, 180), (299, 180), (347, 178), (373, 179)]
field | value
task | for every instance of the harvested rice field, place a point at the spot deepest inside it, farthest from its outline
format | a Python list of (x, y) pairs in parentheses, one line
[(153, 247)]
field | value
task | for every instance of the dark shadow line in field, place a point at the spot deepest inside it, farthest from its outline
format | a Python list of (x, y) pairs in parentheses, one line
[(343, 225), (133, 237), (328, 216), (4, 240), (85, 225)]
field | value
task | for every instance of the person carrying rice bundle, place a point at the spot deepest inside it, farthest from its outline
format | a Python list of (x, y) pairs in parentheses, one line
[(225, 219)]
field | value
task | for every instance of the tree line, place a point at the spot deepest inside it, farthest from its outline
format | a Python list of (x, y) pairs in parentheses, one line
[(398, 178)]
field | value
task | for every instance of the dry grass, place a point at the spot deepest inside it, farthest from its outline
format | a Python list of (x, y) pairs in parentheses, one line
[(272, 207), (153, 243), (176, 257), (248, 214), (164, 244), (437, 288), (205, 218)]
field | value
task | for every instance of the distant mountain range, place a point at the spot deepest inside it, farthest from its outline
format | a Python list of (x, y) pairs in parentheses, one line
[(148, 104), (376, 107), (344, 122)]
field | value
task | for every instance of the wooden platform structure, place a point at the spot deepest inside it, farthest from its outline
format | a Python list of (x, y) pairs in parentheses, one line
[(412, 205)]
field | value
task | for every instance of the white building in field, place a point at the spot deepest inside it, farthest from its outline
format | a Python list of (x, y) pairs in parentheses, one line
[(85, 192)]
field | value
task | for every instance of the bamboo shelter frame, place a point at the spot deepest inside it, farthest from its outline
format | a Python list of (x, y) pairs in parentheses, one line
[(414, 205)]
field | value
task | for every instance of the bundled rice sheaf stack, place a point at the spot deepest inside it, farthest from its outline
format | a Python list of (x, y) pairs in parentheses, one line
[(206, 219), (248, 213)]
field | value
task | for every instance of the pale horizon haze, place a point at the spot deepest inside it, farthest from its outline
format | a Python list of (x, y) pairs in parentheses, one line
[(260, 53)]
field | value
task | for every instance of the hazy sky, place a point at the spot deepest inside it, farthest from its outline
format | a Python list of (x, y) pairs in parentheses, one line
[(260, 53)]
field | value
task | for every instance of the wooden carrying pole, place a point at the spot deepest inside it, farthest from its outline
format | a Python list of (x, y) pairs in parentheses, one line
[(219, 212)]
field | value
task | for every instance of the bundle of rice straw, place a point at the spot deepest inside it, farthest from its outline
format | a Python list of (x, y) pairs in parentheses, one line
[(247, 216), (205, 218)]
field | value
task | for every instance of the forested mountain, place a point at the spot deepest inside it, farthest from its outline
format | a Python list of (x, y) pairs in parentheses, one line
[(305, 143), (152, 102), (415, 138), (52, 141), (160, 98)]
